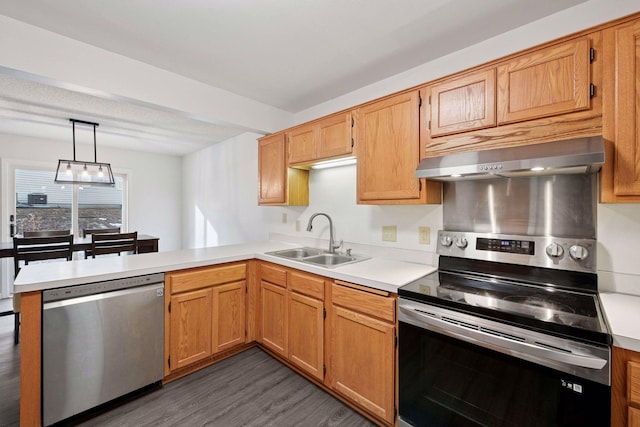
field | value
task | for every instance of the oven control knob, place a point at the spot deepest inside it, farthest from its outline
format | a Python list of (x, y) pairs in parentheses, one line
[(578, 252), (554, 250), (461, 242), (446, 241)]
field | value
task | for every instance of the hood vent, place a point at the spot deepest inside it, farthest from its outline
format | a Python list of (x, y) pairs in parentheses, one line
[(582, 155)]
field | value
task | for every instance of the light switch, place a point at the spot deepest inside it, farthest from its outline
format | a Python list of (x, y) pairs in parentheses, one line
[(284, 217)]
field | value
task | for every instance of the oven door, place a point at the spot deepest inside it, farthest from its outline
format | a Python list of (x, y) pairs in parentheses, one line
[(452, 379)]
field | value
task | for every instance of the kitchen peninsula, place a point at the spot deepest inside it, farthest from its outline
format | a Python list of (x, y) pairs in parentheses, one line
[(381, 276)]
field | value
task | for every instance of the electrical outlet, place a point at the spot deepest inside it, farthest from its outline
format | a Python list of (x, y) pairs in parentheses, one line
[(424, 235), (297, 225), (389, 233), (284, 217)]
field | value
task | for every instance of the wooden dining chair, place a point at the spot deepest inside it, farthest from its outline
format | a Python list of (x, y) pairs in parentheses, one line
[(114, 243), (89, 231), (30, 249), (46, 233)]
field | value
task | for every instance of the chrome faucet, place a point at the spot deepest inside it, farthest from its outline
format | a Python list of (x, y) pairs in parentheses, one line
[(332, 245)]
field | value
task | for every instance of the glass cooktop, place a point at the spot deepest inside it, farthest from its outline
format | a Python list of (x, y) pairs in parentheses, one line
[(542, 307)]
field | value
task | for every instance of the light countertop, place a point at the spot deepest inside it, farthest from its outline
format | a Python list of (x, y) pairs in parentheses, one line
[(378, 273), (623, 315)]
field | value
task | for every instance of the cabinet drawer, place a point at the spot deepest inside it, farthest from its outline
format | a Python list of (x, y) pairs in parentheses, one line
[(383, 307), (272, 274), (633, 379), (188, 280), (307, 284)]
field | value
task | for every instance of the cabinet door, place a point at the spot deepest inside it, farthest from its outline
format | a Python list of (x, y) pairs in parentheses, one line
[(306, 334), (274, 318), (228, 315), (546, 82), (463, 104), (334, 136), (634, 417), (302, 144), (362, 361), (272, 170), (190, 328), (627, 112), (388, 150)]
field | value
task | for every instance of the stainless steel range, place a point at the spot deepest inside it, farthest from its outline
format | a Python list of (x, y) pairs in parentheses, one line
[(484, 341), (509, 330)]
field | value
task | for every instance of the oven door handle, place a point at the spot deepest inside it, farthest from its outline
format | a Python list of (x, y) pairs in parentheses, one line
[(501, 343)]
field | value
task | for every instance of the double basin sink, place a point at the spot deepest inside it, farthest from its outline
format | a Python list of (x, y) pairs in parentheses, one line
[(318, 257)]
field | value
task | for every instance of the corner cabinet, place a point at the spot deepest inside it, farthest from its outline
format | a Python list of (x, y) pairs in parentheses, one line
[(362, 361), (388, 151), (620, 179), (205, 313), (625, 388), (278, 184)]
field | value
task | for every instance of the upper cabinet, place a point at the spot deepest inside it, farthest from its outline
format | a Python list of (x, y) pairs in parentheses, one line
[(463, 103), (388, 151), (620, 179), (541, 95), (278, 184), (323, 139), (545, 82)]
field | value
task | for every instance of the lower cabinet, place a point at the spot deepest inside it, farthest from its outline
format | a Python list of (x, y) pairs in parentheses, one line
[(205, 313), (274, 317), (625, 388), (362, 349)]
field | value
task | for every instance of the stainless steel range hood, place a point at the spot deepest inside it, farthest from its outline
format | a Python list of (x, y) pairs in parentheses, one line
[(582, 155)]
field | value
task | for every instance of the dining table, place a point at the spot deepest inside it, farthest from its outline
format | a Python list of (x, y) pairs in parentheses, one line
[(146, 244)]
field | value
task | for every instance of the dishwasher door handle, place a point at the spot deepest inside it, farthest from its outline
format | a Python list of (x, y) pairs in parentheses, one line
[(104, 296)]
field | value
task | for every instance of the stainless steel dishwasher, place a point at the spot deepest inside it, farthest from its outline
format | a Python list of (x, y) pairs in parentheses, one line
[(100, 341)]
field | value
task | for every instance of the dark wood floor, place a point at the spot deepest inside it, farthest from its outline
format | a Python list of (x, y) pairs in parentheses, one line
[(249, 389), (9, 375)]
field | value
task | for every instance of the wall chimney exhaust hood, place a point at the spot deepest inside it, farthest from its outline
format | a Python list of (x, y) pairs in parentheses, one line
[(581, 155)]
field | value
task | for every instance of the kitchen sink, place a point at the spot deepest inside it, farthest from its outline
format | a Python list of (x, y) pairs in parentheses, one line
[(297, 253), (318, 257)]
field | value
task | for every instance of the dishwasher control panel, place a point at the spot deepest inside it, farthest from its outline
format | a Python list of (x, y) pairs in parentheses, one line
[(86, 289)]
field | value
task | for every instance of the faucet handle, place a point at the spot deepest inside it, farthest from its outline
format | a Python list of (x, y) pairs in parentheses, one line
[(348, 251)]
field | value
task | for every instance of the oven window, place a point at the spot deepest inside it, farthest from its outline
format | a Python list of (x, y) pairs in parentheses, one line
[(447, 382)]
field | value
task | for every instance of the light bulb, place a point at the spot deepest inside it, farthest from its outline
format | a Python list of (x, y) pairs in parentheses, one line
[(69, 172), (100, 173), (85, 172)]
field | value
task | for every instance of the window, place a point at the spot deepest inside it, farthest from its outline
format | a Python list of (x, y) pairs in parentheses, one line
[(43, 205)]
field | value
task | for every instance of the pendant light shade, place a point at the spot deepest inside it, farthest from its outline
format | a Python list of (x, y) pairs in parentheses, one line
[(84, 172)]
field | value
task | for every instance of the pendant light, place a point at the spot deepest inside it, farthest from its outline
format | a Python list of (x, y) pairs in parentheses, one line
[(82, 172)]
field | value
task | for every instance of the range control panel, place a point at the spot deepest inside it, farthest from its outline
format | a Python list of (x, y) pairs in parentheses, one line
[(540, 251)]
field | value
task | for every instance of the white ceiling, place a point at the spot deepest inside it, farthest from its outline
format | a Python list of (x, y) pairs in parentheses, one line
[(290, 54)]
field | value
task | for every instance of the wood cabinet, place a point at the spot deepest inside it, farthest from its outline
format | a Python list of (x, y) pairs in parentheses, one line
[(277, 183), (190, 328), (545, 82), (324, 139), (362, 348), (388, 152), (292, 317), (274, 316), (620, 180), (306, 322), (625, 388), (205, 313), (465, 103)]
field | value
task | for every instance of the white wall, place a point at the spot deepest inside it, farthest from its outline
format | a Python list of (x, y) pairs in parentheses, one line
[(155, 182), (220, 195)]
